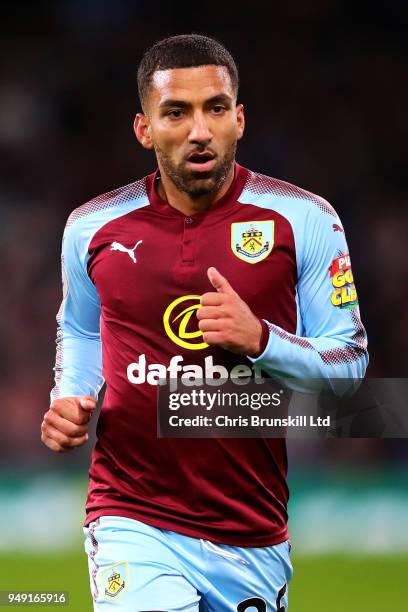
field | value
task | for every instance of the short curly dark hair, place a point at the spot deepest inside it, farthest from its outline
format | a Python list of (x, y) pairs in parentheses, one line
[(183, 51)]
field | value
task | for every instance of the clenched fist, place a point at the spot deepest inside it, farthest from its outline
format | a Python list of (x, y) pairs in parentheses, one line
[(226, 320), (65, 425)]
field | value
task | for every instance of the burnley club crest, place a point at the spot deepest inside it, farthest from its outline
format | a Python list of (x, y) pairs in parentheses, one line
[(114, 579), (252, 241)]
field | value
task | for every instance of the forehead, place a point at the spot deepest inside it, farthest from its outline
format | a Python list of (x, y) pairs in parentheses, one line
[(198, 82)]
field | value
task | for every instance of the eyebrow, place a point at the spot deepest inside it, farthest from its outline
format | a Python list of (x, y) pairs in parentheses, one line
[(183, 104)]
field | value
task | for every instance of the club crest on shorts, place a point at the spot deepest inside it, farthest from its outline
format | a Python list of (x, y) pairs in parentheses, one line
[(115, 579), (252, 241)]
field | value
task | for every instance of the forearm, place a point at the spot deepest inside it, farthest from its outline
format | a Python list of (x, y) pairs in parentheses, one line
[(313, 358), (78, 367)]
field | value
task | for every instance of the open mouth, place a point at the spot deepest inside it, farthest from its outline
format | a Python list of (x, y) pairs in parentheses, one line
[(200, 158), (201, 162)]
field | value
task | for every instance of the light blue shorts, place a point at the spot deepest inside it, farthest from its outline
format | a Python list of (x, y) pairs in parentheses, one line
[(137, 568)]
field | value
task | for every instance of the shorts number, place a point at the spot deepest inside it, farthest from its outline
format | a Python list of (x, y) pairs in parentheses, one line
[(253, 602), (281, 593), (260, 604)]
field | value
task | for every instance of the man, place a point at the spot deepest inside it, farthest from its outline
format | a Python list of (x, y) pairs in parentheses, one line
[(179, 524)]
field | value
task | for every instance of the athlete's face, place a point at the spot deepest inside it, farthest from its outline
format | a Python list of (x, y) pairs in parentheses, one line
[(193, 123)]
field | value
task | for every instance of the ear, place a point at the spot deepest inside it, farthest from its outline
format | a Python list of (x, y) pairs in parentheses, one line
[(142, 128), (240, 120)]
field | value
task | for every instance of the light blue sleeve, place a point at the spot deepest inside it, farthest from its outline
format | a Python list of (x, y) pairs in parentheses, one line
[(78, 367), (330, 340)]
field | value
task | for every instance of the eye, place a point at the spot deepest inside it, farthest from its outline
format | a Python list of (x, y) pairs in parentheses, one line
[(176, 113), (218, 109)]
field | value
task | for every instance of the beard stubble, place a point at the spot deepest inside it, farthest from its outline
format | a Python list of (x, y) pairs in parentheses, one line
[(197, 184)]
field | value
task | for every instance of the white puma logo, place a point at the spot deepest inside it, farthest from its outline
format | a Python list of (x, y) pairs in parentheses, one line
[(116, 246)]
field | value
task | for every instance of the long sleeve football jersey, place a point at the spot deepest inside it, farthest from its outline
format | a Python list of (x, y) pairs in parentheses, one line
[(133, 271)]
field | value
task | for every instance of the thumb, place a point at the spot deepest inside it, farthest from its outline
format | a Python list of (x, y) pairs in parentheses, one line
[(87, 403), (219, 282)]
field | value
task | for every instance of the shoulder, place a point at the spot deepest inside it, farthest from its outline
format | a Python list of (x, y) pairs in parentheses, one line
[(110, 204), (86, 220), (268, 192), (314, 222)]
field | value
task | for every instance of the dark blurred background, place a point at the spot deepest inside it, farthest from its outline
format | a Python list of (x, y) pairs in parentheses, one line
[(324, 84)]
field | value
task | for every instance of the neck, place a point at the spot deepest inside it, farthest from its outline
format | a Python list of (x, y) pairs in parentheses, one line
[(182, 201)]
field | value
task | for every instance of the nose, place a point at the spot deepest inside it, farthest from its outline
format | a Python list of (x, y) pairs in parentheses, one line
[(200, 132)]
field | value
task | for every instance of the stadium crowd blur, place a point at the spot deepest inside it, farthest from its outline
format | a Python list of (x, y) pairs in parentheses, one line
[(324, 87)]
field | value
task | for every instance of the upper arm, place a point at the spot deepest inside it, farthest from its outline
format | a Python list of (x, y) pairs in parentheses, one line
[(78, 364), (327, 295), (80, 310)]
